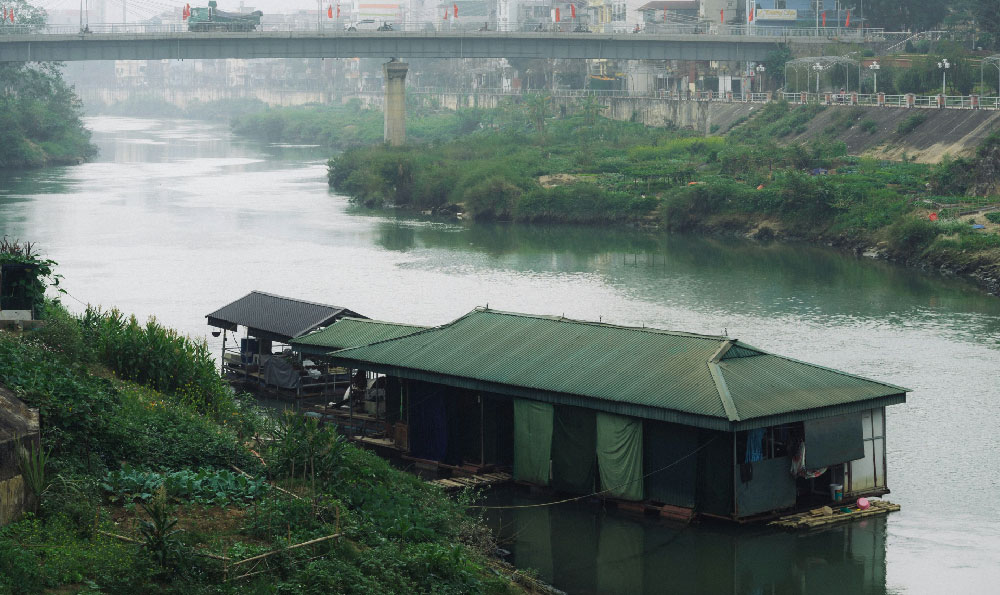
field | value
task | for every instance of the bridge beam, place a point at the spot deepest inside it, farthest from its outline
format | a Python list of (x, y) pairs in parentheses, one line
[(395, 102)]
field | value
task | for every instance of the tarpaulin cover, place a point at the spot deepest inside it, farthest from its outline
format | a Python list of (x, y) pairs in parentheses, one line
[(670, 478), (532, 441), (574, 450), (279, 372), (619, 455), (428, 431), (832, 440)]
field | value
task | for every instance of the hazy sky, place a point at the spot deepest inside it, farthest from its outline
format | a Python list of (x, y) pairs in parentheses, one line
[(145, 8)]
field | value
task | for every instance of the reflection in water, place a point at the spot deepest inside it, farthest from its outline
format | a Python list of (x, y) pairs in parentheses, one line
[(176, 218), (584, 550), (724, 273)]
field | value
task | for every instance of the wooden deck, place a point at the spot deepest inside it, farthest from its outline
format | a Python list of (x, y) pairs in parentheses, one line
[(460, 482), (823, 517)]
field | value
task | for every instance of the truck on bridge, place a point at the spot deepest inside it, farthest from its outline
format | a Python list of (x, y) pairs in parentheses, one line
[(213, 19)]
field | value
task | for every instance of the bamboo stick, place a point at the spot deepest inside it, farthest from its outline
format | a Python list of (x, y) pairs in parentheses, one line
[(291, 547)]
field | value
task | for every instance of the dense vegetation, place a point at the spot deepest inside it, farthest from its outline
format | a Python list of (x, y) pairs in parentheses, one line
[(521, 164), (161, 484), (39, 113)]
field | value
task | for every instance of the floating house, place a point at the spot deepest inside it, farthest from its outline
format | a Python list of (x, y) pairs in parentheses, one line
[(262, 357), (19, 428), (690, 424)]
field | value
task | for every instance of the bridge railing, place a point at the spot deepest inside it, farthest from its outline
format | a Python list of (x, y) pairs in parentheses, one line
[(827, 98)]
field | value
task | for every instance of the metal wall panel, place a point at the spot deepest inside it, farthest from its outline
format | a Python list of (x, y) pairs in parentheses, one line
[(833, 440), (771, 488)]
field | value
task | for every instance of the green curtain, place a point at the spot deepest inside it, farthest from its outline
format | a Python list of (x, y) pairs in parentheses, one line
[(574, 447), (619, 455), (532, 441)]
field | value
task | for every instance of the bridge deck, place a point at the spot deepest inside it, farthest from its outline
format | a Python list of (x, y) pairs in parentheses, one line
[(403, 44)]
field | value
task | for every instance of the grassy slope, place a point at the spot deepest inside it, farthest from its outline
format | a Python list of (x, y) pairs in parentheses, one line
[(399, 534)]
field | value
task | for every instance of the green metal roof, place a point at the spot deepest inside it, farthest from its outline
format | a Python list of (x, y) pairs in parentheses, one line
[(700, 380), (351, 332)]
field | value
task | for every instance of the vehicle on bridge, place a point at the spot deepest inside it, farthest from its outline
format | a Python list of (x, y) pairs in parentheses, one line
[(213, 19), (368, 25)]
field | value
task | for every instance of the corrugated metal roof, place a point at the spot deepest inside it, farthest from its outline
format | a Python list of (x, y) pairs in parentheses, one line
[(635, 368), (351, 332), (280, 318)]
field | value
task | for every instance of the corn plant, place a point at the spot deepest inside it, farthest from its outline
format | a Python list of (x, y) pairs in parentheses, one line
[(32, 463)]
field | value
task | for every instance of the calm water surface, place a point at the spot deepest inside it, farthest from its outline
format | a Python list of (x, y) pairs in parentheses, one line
[(176, 218)]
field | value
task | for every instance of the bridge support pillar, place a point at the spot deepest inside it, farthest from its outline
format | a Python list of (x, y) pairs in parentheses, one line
[(395, 102)]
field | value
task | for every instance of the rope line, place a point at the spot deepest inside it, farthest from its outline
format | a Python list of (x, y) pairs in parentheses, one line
[(576, 498)]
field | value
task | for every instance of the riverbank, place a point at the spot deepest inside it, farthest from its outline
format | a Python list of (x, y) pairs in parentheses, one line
[(523, 165), (156, 477)]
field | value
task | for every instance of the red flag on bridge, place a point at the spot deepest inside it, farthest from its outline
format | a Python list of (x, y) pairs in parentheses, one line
[(824, 18), (557, 15), (572, 11), (338, 11), (664, 15), (12, 15), (848, 23), (329, 11), (750, 16), (455, 6), (722, 17)]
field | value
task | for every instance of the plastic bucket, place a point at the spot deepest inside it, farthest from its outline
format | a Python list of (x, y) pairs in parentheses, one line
[(836, 492)]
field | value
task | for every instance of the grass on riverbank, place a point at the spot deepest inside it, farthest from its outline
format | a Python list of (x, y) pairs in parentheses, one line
[(113, 442)]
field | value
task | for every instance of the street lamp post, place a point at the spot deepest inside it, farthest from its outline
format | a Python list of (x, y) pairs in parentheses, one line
[(874, 67), (760, 77), (944, 66), (818, 68)]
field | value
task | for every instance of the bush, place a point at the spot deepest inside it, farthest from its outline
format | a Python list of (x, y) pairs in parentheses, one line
[(913, 235), (910, 123), (158, 357), (870, 126), (993, 216)]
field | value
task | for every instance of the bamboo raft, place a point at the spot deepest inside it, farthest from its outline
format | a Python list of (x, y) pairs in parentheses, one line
[(471, 481), (821, 517)]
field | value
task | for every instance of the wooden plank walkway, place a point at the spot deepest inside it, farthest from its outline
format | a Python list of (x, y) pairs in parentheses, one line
[(460, 482), (820, 518)]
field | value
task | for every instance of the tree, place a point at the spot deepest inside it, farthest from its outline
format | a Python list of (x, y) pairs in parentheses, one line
[(538, 109), (911, 15)]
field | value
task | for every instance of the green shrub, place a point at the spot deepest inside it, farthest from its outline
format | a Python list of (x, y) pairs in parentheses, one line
[(913, 235), (993, 216), (158, 357), (911, 122), (870, 126)]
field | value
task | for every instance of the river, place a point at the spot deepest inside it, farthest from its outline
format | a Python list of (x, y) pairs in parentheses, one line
[(176, 218)]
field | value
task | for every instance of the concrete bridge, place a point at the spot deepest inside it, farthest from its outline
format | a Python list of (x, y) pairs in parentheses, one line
[(48, 47)]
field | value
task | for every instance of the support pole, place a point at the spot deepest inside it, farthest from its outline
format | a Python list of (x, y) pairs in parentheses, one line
[(395, 102)]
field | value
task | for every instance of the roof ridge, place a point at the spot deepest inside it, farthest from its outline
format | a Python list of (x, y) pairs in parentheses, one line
[(420, 332), (372, 320), (291, 299), (647, 329)]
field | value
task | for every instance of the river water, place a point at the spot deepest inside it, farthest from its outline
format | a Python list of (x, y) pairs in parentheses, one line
[(176, 218)]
